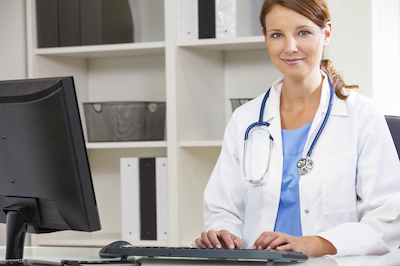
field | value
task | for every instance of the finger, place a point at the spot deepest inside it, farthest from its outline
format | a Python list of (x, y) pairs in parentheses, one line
[(285, 247), (214, 241), (264, 240), (200, 243), (206, 240), (238, 243), (257, 242), (281, 240), (228, 238)]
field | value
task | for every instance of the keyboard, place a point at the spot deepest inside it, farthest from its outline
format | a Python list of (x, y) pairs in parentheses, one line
[(185, 252)]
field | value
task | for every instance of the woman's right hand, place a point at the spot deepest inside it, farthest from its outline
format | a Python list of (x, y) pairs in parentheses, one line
[(219, 239)]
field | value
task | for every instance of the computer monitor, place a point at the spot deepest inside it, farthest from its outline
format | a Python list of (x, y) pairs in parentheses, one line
[(45, 179)]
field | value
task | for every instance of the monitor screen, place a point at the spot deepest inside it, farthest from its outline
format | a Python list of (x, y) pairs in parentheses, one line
[(45, 178)]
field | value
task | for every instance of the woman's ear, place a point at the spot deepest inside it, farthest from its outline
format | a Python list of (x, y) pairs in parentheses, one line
[(265, 36), (327, 33)]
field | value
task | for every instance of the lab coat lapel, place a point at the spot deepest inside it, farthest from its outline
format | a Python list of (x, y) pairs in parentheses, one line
[(320, 114)]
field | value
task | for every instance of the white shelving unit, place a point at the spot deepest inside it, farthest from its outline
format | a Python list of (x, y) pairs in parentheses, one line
[(195, 77)]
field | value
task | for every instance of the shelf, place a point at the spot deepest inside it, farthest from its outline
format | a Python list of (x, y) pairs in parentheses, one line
[(126, 145), (94, 239), (74, 239), (200, 143), (105, 50), (86, 240), (226, 44)]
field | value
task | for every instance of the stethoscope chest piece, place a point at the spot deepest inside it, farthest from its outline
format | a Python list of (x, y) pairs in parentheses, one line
[(304, 166)]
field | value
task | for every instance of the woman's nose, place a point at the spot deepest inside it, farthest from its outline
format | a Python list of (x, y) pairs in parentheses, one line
[(291, 45)]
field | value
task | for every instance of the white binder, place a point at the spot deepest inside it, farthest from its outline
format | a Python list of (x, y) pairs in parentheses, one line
[(189, 20), (162, 199), (130, 212), (130, 199), (238, 18)]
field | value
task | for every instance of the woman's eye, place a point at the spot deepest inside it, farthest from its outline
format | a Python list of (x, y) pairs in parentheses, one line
[(276, 35), (304, 33)]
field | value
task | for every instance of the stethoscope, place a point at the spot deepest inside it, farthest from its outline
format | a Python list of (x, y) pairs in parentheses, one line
[(304, 165)]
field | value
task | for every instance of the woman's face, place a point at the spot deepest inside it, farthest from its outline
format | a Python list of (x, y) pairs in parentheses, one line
[(294, 42)]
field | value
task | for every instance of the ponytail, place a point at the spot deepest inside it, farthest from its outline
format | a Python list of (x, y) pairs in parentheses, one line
[(336, 79)]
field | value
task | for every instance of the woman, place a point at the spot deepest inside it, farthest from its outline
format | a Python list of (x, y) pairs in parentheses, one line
[(345, 200)]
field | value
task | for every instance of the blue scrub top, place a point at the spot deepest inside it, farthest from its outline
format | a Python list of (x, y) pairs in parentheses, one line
[(288, 217)]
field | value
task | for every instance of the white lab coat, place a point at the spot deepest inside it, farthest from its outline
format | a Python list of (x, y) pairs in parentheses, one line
[(351, 197)]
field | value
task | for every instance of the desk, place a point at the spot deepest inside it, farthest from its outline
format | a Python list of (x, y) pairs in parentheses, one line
[(56, 254)]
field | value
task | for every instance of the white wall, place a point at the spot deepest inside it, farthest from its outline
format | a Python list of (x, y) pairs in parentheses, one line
[(350, 49), (12, 50), (13, 40), (366, 48), (386, 54)]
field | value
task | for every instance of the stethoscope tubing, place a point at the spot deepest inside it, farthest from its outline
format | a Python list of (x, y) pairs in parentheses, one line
[(327, 115), (260, 121)]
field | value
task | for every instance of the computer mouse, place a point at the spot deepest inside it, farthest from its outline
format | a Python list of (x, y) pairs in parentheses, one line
[(103, 253)]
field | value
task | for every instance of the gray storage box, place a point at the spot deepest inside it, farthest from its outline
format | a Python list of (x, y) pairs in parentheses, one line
[(125, 121), (238, 102)]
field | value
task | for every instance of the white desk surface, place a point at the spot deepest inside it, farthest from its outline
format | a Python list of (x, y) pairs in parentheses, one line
[(56, 254)]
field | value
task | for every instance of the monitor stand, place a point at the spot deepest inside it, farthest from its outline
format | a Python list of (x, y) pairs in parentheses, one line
[(18, 217)]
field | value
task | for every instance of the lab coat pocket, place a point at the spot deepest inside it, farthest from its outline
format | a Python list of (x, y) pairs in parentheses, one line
[(338, 181)]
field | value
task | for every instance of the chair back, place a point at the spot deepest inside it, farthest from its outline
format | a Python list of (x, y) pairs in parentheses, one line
[(394, 127)]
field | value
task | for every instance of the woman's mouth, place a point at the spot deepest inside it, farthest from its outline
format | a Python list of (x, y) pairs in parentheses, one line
[(292, 61)]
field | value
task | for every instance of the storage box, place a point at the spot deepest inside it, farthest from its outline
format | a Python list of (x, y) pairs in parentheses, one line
[(238, 102), (125, 121)]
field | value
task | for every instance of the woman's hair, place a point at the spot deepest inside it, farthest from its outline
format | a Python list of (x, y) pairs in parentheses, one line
[(317, 11)]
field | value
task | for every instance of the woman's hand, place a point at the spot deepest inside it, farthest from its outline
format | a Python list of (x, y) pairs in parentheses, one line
[(309, 245), (219, 239)]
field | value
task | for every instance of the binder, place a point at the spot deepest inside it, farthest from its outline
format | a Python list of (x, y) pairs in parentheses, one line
[(248, 17), (47, 23), (189, 20), (226, 18), (68, 22), (162, 199), (148, 205), (206, 11), (130, 214), (144, 199), (105, 22), (238, 18), (90, 17)]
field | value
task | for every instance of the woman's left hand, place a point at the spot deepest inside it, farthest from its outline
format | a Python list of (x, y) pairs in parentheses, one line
[(309, 245)]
